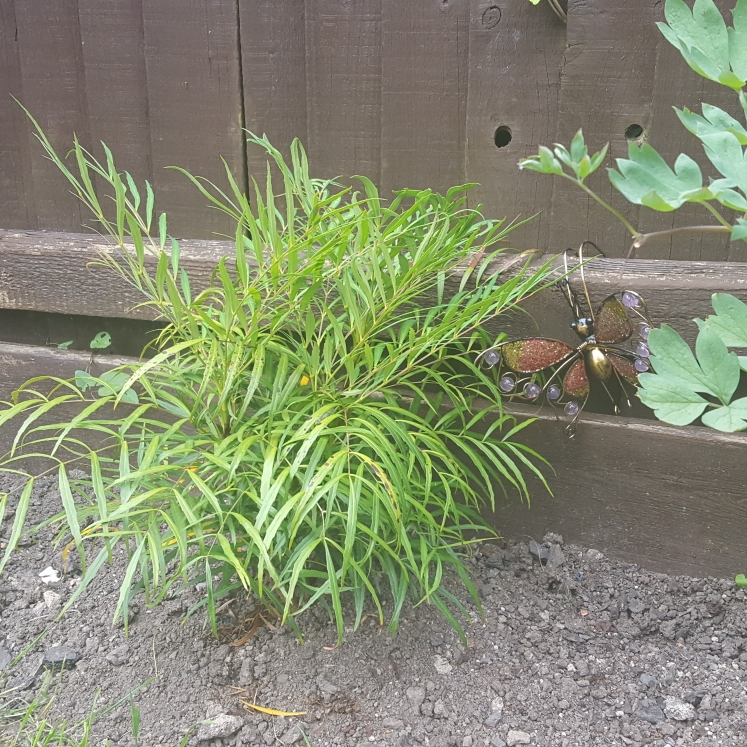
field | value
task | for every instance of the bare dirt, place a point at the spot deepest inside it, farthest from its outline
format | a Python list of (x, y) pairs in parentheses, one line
[(581, 651)]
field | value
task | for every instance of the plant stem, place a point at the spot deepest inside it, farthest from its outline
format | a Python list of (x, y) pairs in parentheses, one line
[(715, 213), (642, 238), (605, 205)]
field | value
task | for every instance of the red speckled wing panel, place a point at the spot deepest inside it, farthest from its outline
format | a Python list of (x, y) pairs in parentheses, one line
[(534, 354), (612, 323)]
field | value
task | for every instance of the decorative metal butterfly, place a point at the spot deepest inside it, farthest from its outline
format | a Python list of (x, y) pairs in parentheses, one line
[(532, 366)]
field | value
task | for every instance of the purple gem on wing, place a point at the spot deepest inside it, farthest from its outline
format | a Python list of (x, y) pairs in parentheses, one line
[(492, 357), (532, 390), (571, 409), (644, 331), (630, 300), (554, 392), (506, 384), (642, 350), (641, 365)]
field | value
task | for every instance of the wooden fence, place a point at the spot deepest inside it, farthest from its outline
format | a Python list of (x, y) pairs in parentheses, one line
[(407, 93)]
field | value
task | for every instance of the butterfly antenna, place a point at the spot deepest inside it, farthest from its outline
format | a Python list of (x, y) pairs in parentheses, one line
[(565, 286), (583, 277)]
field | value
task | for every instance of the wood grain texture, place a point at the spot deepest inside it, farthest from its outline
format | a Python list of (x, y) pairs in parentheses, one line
[(343, 78), (51, 272), (17, 208), (273, 59), (669, 499), (116, 84), (677, 85), (54, 91), (194, 103), (42, 271), (515, 51), (606, 85), (423, 94)]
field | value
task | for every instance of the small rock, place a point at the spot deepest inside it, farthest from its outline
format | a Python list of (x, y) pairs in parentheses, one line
[(5, 659), (694, 696), (553, 538), (652, 714), (667, 629), (494, 719), (60, 656), (594, 555), (415, 697), (539, 553), (517, 737), (439, 709), (219, 727), (393, 723), (324, 685), (437, 640), (49, 575), (52, 600), (678, 710), (649, 681), (442, 666), (496, 705), (118, 656), (555, 557), (292, 736), (496, 741), (467, 741), (636, 606), (246, 673)]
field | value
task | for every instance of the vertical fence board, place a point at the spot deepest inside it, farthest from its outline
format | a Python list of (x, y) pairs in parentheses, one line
[(343, 72), (678, 85), (116, 85), (515, 51), (273, 57), (194, 101), (606, 86), (54, 91), (17, 203), (424, 94)]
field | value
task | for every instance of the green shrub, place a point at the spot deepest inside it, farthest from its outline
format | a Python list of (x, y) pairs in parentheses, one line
[(310, 428)]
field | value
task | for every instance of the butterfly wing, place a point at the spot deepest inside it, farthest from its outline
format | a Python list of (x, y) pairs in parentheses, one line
[(624, 367), (612, 323), (534, 353), (576, 382)]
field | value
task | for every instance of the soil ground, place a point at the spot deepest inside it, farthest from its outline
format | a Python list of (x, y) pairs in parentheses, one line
[(582, 651)]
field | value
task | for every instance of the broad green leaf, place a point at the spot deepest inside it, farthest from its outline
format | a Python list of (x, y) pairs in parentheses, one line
[(726, 154), (720, 366), (578, 147), (646, 179), (729, 321), (102, 341), (740, 580), (713, 120), (670, 401), (674, 362), (724, 419), (739, 232), (738, 40), (65, 345)]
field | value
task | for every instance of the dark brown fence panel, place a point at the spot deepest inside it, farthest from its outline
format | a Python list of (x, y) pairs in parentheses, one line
[(116, 84), (677, 85), (16, 195), (273, 62), (343, 75), (514, 75), (194, 99), (53, 89), (423, 94), (606, 87)]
